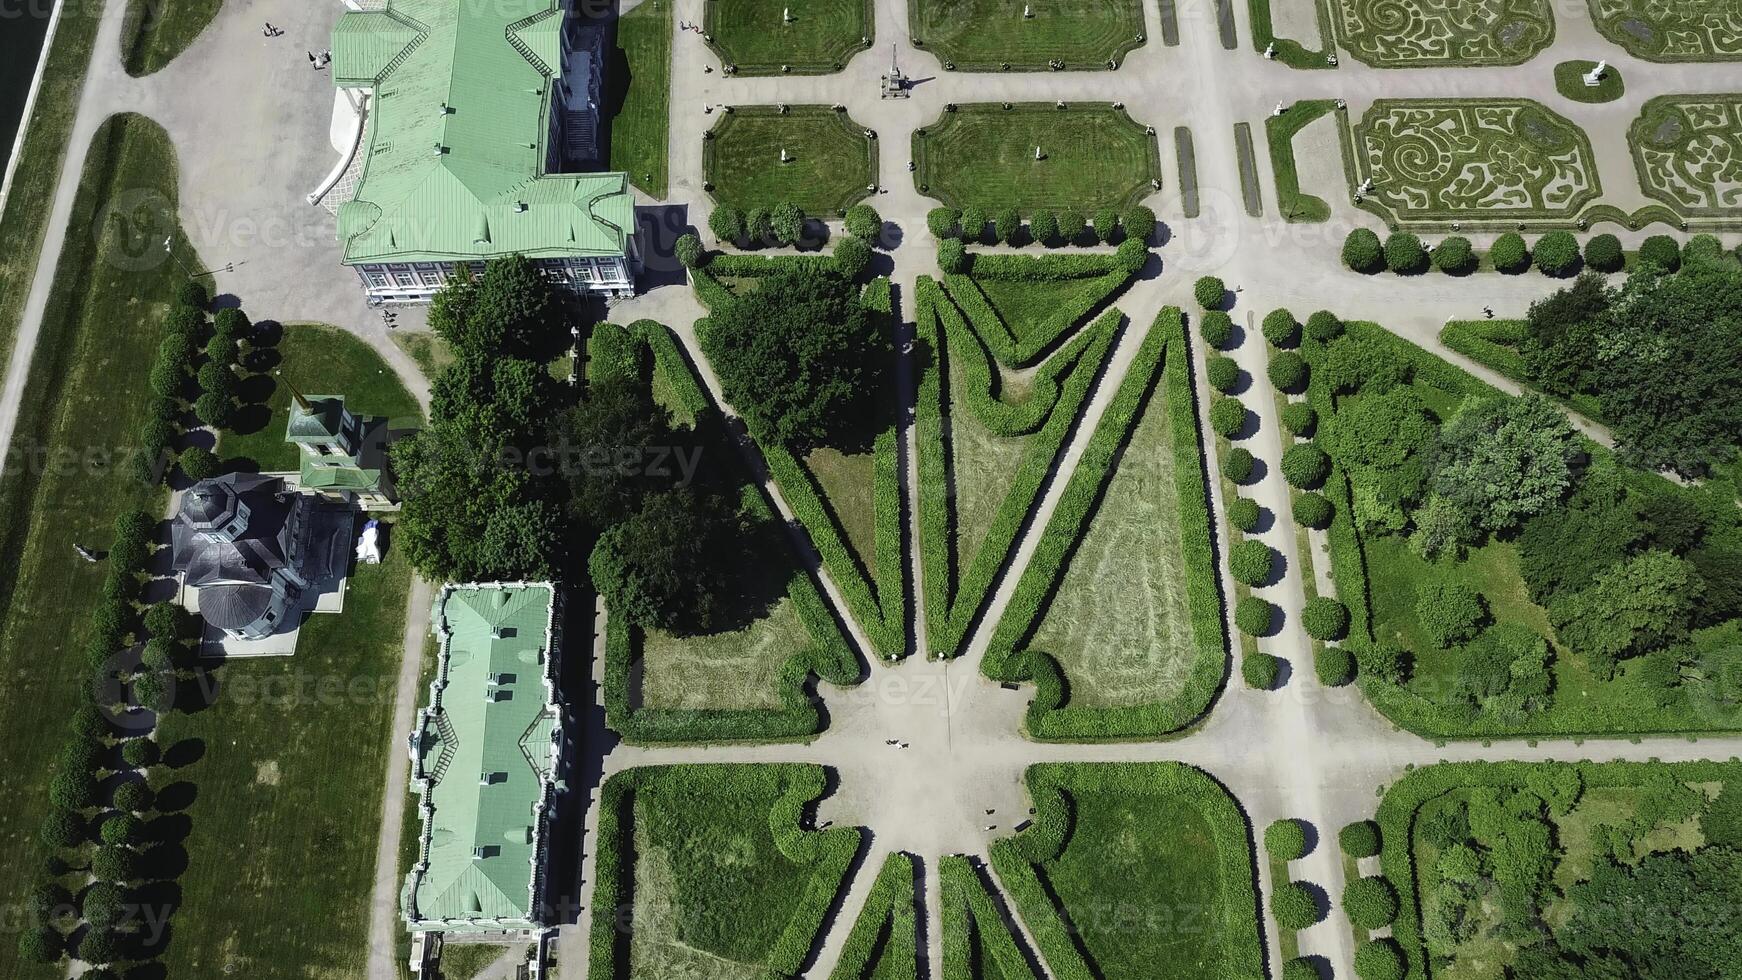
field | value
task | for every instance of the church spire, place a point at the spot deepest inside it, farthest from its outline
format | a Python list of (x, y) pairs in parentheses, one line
[(297, 396)]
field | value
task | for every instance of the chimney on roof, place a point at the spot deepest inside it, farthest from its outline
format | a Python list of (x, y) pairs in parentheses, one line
[(439, 149), (519, 207)]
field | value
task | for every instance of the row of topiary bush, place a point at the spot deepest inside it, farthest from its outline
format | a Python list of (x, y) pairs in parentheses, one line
[(830, 658), (975, 226), (829, 853), (1055, 789), (1556, 253), (1161, 361), (1048, 412), (207, 353), (105, 836), (783, 224), (851, 259)]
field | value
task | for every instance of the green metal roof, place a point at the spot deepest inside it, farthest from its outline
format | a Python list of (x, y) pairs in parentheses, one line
[(320, 422), (454, 167), (486, 754)]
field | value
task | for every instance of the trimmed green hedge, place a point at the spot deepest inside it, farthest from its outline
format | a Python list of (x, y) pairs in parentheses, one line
[(1161, 364), (1050, 786), (829, 657), (828, 852), (885, 928), (1049, 413), (1042, 325), (968, 911)]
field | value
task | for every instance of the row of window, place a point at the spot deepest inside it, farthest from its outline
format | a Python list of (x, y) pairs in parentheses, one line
[(432, 275)]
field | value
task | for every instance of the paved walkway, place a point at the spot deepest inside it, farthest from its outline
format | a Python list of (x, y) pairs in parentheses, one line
[(249, 120)]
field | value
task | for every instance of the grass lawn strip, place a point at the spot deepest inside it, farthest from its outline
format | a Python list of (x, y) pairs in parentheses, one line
[(1148, 658), (1248, 170), (84, 401), (1279, 132), (996, 35), (1092, 156), (883, 944), (753, 37), (640, 127), (154, 32), (1611, 791), (830, 162), (976, 932), (996, 478), (1444, 32), (1186, 157), (1289, 51), (1151, 868), (744, 685), (708, 867)]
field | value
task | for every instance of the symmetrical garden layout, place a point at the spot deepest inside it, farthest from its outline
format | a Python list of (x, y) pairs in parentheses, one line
[(1672, 30), (1688, 149), (1388, 34)]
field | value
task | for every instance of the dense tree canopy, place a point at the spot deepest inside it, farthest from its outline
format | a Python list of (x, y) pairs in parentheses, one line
[(677, 564), (800, 357), (1501, 460)]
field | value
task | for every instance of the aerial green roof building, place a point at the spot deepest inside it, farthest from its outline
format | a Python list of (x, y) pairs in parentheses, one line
[(343, 455), (471, 118), (486, 761)]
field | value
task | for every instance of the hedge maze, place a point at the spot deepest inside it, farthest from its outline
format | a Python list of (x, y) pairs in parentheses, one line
[(809, 155), (1439, 33), (1120, 606), (1672, 30), (1134, 872), (993, 35), (753, 37), (996, 400), (1688, 152), (1474, 159), (707, 870), (744, 684), (1090, 156)]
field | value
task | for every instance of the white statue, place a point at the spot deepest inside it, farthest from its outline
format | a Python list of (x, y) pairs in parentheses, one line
[(1027, 12), (1594, 77), (1278, 110), (1270, 51), (785, 157), (786, 15), (1039, 155)]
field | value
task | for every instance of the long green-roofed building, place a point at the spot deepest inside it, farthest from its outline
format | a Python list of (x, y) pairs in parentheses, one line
[(468, 119), (487, 762)]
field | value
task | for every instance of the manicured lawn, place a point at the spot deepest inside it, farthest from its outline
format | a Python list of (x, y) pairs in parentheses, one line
[(1093, 156), (429, 351), (1154, 871), (641, 96), (754, 35), (848, 483), (319, 360), (1569, 81), (722, 670), (85, 401), (1294, 204), (989, 35), (691, 869), (830, 160), (296, 750), (155, 31)]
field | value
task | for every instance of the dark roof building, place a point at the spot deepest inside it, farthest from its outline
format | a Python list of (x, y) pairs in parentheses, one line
[(252, 549)]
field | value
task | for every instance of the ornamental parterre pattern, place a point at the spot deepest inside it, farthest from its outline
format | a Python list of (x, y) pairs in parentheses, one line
[(1688, 151), (1672, 30), (1430, 33), (1449, 159)]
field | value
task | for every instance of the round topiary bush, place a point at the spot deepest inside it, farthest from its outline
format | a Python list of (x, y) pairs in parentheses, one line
[(140, 753), (1243, 513), (689, 251), (1334, 666), (1139, 223), (1362, 251), (1281, 328), (1217, 329), (1454, 255), (1223, 374), (852, 257), (192, 294), (1044, 226), (1661, 251), (1285, 839), (1603, 253), (1404, 253), (1251, 562), (134, 796), (1288, 371), (863, 221), (1208, 291), (1228, 416), (1324, 618), (1313, 510), (1260, 671), (199, 463), (974, 221), (1105, 225), (1238, 464), (118, 864), (1702, 248), (1449, 612), (727, 224), (1293, 906), (1005, 225), (952, 256), (1305, 466), (1252, 616), (1557, 254), (1131, 255), (41, 944), (63, 828), (1371, 903), (1509, 254), (1072, 223), (1360, 839), (1379, 960), (69, 790), (103, 946), (122, 830), (1324, 326), (1300, 419), (941, 222), (89, 720)]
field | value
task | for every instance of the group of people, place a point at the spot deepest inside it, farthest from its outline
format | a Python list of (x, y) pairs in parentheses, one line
[(684, 25), (315, 61)]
